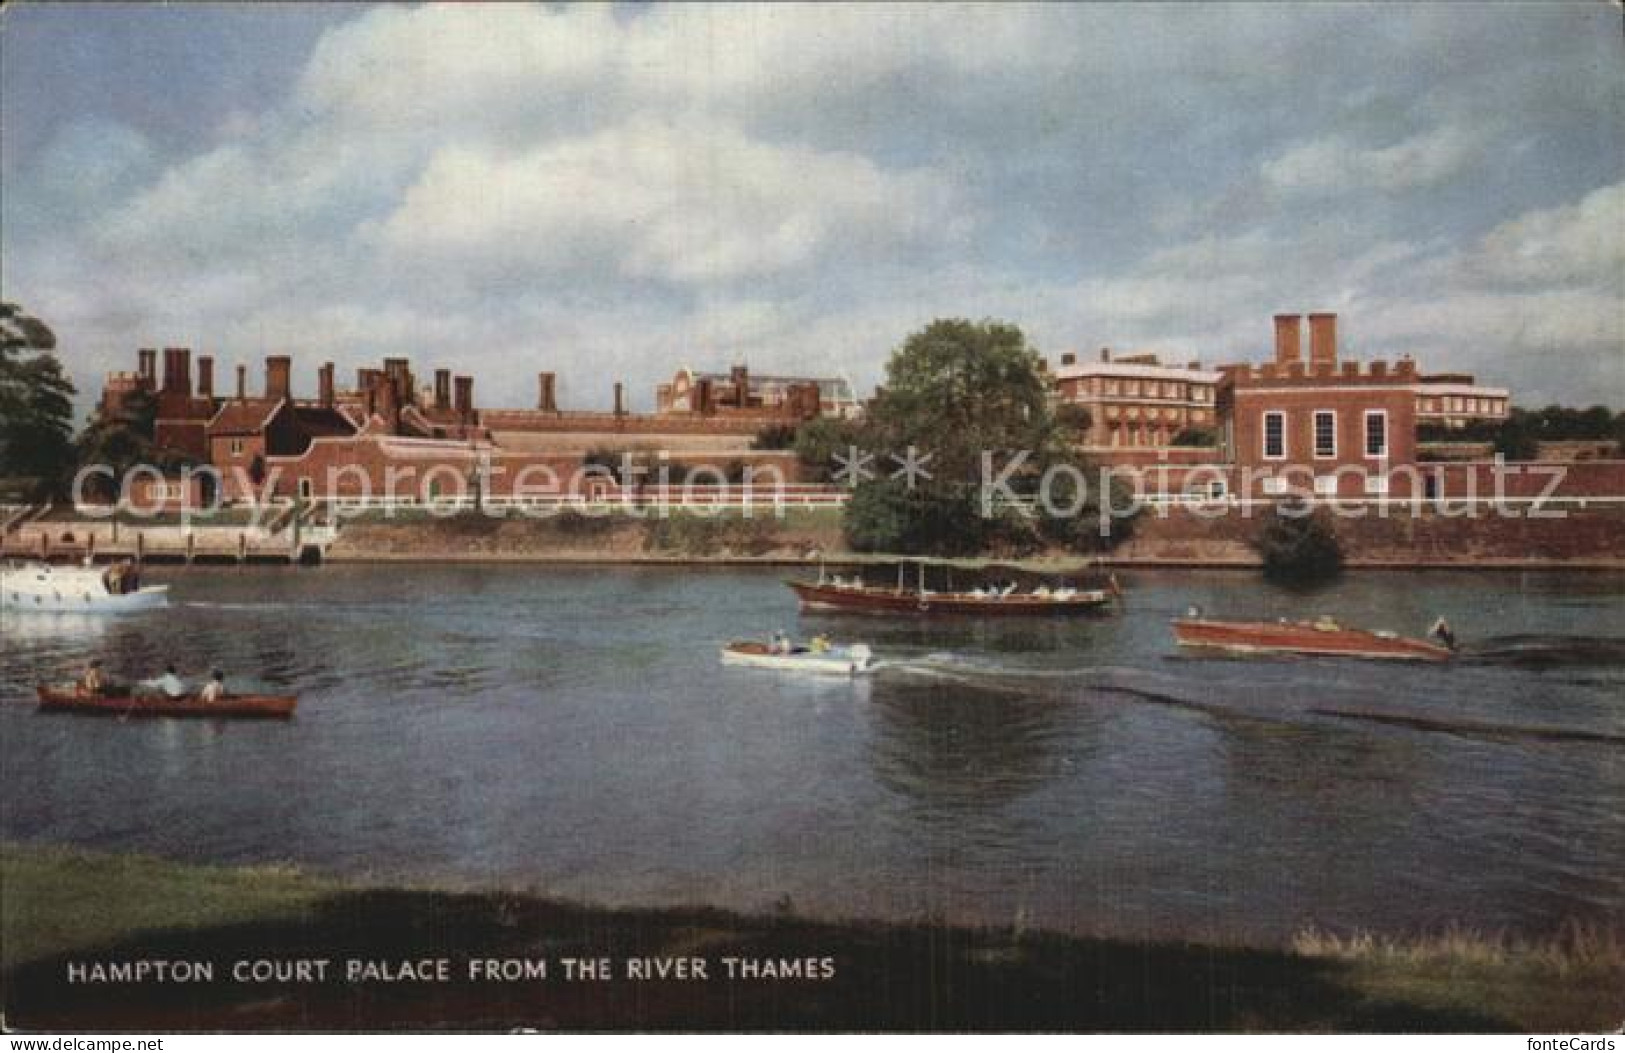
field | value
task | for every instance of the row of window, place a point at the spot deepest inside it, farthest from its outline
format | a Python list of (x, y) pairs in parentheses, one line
[(1325, 434), (1464, 404), (1151, 389), (1168, 413)]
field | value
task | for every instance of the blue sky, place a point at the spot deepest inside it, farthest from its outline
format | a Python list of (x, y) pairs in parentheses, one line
[(612, 192)]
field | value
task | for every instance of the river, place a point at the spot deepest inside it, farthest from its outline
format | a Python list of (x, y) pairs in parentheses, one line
[(570, 730)]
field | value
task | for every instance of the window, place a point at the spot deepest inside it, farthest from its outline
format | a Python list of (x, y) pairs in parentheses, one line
[(1376, 433), (1275, 435), (236, 447), (1325, 433), (304, 488)]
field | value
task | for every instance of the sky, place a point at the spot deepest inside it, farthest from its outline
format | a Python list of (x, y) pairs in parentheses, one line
[(613, 192)]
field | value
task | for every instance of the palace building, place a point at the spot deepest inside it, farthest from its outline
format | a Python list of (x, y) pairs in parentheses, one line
[(1136, 401)]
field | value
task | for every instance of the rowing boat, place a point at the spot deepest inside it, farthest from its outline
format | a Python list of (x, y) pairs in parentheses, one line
[(71, 700)]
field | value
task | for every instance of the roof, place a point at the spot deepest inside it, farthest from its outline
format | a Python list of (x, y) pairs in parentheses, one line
[(834, 388), (246, 417), (1136, 370)]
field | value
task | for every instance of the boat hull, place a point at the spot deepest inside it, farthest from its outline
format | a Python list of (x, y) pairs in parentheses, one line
[(837, 662), (848, 600), (50, 589), (239, 707), (1299, 638), (147, 598)]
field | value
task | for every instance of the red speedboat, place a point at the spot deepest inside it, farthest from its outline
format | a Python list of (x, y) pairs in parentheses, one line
[(264, 707), (1322, 637)]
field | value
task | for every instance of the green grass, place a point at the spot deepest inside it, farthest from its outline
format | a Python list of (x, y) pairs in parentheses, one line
[(57, 900), (63, 905)]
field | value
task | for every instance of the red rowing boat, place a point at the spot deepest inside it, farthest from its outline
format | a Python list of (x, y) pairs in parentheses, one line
[(1323, 637), (263, 707)]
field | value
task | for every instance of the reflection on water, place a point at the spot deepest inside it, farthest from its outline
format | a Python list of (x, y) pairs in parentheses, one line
[(572, 729)]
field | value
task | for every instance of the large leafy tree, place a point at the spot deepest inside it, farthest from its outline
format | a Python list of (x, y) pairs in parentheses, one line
[(36, 406), (960, 392)]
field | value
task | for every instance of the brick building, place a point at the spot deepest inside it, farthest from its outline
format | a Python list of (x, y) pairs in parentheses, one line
[(690, 391), (1328, 427), (1455, 400), (1137, 402)]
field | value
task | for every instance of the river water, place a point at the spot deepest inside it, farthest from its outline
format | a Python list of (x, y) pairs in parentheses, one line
[(571, 730)]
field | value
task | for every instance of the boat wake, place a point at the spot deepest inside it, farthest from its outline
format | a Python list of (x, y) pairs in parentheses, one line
[(1538, 651)]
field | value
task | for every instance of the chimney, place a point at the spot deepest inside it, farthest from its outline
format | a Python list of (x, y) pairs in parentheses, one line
[(178, 370), (620, 402), (148, 357), (442, 389), (242, 382), (740, 377), (205, 377), (400, 371), (545, 400), (388, 402), (1105, 354), (465, 396), (324, 385), (277, 371), (705, 398), (1068, 358), (1323, 339), (1288, 339)]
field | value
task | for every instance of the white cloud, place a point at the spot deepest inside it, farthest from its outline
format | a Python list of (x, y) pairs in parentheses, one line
[(1579, 243), (1337, 164), (689, 203)]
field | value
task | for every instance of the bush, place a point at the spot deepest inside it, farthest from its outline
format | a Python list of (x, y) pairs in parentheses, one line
[(1196, 437), (775, 437), (690, 534), (1299, 546)]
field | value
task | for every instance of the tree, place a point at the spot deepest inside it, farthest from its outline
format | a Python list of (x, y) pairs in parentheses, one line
[(36, 406), (1299, 547), (957, 392), (122, 436), (818, 442)]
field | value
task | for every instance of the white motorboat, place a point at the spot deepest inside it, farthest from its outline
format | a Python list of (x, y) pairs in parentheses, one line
[(841, 661), (79, 590)]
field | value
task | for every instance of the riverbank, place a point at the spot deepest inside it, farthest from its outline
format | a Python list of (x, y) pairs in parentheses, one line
[(1579, 538), (67, 909)]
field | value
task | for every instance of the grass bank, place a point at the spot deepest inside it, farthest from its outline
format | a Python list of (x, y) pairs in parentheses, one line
[(65, 907)]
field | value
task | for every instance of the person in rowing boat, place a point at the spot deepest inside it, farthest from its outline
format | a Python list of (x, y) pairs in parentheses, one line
[(1441, 629), (170, 685), (215, 689), (818, 644), (92, 682)]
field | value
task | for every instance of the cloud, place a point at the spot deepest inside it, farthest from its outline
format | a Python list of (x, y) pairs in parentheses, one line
[(1337, 164), (687, 203), (597, 190), (1580, 243)]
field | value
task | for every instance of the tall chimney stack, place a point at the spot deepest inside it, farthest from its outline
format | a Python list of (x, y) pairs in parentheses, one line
[(465, 396), (620, 404), (1323, 340), (178, 370), (242, 382), (205, 377), (324, 385), (442, 389), (1288, 339), (278, 374), (148, 359), (545, 397), (740, 375)]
